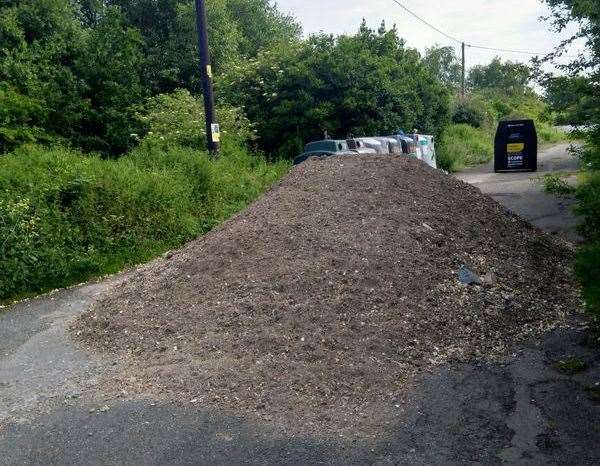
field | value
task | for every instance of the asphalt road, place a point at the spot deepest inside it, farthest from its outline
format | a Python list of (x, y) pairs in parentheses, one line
[(522, 411), (523, 193)]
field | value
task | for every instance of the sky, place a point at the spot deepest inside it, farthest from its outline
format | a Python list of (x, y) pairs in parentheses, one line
[(508, 24)]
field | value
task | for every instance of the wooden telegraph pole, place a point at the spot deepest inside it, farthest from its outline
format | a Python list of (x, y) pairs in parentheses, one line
[(213, 135), (464, 72)]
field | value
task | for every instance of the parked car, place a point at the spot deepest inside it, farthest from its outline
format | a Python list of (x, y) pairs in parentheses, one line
[(324, 148)]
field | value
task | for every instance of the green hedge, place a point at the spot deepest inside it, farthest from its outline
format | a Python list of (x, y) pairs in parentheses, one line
[(587, 264), (65, 217)]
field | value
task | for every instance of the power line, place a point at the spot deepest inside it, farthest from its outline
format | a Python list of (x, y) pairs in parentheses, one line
[(452, 38), (514, 51), (427, 23)]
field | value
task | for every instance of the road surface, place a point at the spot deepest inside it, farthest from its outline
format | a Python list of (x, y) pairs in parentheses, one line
[(522, 411), (523, 193)]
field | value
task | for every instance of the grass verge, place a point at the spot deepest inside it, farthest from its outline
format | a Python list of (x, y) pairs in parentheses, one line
[(65, 217)]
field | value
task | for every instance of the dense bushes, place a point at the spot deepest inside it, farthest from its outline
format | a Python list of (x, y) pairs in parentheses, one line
[(75, 70), (470, 111), (65, 217), (577, 97), (363, 84), (588, 258)]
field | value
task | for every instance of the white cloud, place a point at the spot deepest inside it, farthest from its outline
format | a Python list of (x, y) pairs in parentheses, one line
[(508, 24)]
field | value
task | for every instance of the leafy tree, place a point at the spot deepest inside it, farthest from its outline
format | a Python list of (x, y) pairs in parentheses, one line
[(20, 119), (364, 84), (261, 25), (572, 97), (237, 28), (111, 69), (443, 63), (510, 76), (177, 120), (82, 80)]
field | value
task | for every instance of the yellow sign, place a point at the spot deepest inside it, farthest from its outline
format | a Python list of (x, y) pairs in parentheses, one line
[(515, 147), (216, 132)]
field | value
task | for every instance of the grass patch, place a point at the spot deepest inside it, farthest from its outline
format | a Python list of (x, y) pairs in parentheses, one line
[(462, 145), (555, 183), (65, 217), (570, 366), (548, 134)]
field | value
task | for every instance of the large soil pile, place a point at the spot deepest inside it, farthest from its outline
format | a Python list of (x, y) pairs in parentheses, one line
[(319, 301)]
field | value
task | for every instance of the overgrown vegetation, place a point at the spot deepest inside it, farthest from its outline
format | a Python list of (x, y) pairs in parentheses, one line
[(365, 84), (556, 183), (570, 366), (576, 97), (102, 127), (65, 217)]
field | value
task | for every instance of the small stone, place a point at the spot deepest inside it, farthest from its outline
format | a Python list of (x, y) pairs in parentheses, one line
[(468, 277)]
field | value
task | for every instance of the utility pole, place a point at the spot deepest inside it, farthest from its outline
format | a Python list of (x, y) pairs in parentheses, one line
[(464, 71), (213, 135)]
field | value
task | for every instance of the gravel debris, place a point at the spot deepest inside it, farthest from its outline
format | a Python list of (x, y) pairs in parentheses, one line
[(317, 305)]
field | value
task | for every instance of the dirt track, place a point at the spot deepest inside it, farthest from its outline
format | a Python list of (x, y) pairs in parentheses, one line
[(321, 300)]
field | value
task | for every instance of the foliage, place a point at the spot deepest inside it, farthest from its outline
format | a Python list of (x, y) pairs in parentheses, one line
[(65, 217), (20, 117), (238, 29), (445, 65), (510, 76), (462, 145), (471, 111), (470, 140), (76, 70), (588, 195), (583, 79), (177, 119), (368, 83), (571, 366), (573, 98), (82, 81), (587, 268), (555, 183)]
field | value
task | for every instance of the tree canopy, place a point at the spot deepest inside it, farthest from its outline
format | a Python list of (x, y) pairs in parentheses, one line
[(71, 71), (76, 71), (511, 76), (368, 83)]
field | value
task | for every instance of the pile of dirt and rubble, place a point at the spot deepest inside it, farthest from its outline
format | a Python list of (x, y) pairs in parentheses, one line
[(318, 303)]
